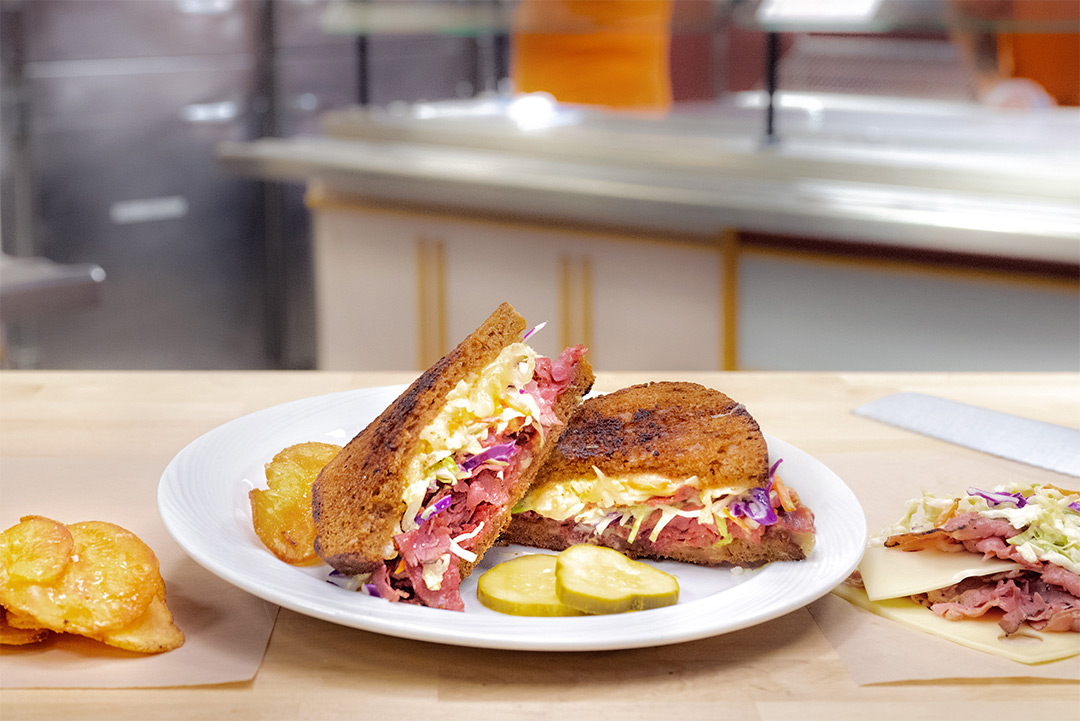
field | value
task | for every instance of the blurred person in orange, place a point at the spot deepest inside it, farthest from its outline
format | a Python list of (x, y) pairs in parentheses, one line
[(613, 53), (1026, 53)]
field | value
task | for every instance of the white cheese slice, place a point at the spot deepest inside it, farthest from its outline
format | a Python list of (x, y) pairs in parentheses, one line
[(890, 573), (982, 634)]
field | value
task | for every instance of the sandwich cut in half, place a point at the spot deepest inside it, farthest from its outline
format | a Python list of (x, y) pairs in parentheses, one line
[(410, 504), (665, 470)]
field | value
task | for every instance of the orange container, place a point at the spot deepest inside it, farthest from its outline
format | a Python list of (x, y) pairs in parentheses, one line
[(613, 53)]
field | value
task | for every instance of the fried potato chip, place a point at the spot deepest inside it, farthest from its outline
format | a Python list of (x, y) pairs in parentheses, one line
[(281, 513), (35, 550), (21, 620), (109, 583), (153, 632), (16, 636)]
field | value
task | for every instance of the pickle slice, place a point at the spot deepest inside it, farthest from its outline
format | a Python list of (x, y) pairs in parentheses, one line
[(523, 586), (594, 579)]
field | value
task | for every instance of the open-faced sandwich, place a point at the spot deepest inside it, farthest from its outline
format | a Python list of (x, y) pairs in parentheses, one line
[(1010, 553)]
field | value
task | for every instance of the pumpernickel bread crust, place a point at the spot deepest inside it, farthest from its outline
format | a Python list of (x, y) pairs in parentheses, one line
[(357, 498), (675, 430)]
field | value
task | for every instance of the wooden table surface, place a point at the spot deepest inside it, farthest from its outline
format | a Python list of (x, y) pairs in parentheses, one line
[(135, 422)]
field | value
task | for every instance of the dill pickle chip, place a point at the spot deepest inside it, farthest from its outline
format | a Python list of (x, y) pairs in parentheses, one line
[(596, 580), (524, 586)]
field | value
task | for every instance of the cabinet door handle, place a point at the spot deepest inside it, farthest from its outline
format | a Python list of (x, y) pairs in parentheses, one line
[(431, 300), (576, 301)]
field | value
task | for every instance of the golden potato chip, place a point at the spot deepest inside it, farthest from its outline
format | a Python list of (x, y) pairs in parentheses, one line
[(35, 550), (21, 620), (109, 583), (16, 636), (153, 632), (281, 513)]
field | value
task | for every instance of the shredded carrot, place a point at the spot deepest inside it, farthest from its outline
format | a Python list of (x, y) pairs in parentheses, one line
[(400, 567), (741, 523), (789, 500), (1063, 491), (948, 513)]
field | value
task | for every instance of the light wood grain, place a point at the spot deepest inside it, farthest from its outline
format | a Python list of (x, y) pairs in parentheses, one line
[(784, 669)]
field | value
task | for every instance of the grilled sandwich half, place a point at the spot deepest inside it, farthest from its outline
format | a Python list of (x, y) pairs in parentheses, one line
[(665, 470), (409, 506)]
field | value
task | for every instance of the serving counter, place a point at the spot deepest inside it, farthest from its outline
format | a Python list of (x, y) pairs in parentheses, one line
[(942, 235), (96, 443)]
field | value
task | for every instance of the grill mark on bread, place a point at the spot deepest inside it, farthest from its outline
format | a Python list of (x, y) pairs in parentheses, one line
[(677, 429)]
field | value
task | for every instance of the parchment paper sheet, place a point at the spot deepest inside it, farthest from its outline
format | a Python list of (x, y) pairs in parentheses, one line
[(226, 629), (877, 650)]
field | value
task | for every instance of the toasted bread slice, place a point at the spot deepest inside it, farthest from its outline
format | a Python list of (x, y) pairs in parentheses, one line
[(664, 470), (359, 499), (671, 428)]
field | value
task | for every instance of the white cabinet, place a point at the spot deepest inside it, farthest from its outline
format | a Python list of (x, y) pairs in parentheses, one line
[(397, 289), (800, 311)]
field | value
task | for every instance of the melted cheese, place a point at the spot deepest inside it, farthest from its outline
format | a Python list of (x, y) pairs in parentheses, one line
[(889, 573), (600, 500), (582, 498)]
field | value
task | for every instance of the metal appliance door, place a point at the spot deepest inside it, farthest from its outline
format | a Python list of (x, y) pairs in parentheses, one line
[(124, 175)]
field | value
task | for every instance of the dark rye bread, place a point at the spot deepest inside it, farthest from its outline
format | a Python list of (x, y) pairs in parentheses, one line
[(672, 429), (675, 430), (357, 498)]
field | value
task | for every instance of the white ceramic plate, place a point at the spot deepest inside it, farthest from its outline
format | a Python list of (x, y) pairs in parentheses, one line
[(203, 502)]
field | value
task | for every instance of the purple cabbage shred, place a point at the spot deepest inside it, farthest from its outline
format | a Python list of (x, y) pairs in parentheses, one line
[(437, 507), (996, 498), (499, 453), (757, 507)]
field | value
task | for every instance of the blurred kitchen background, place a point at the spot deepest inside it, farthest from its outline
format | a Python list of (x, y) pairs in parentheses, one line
[(680, 184)]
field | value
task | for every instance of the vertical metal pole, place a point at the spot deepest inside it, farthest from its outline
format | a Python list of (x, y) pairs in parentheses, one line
[(19, 235), (501, 50), (720, 21), (363, 70), (266, 125), (21, 335), (772, 58), (491, 47)]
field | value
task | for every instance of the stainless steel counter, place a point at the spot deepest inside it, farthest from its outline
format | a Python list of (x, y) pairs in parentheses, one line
[(916, 174)]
